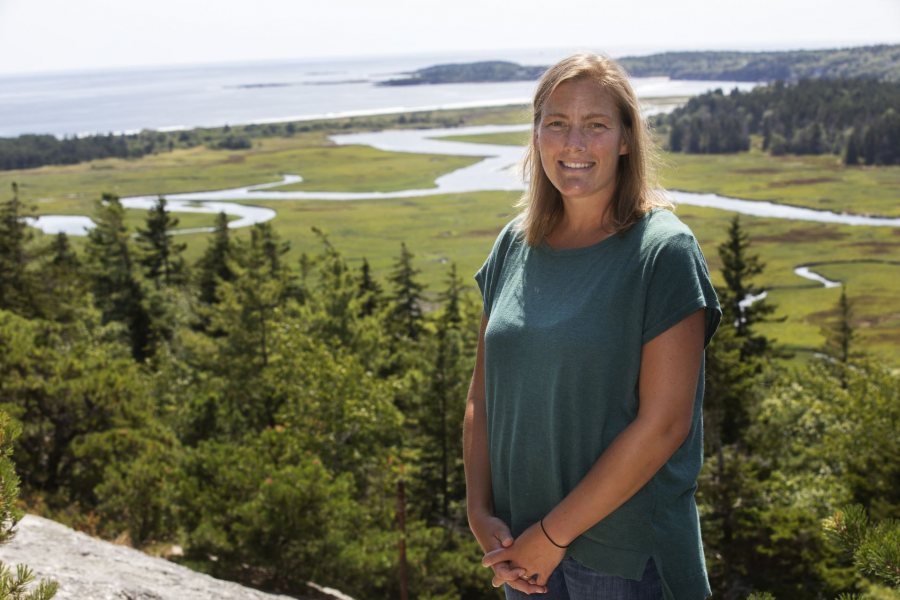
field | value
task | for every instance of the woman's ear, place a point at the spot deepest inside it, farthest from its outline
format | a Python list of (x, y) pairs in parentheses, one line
[(624, 147)]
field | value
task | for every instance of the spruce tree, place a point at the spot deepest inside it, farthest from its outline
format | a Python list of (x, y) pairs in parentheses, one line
[(116, 287), (215, 264), (266, 243), (336, 297), (63, 285), (267, 251), (839, 332), (728, 492), (742, 302), (306, 265), (441, 415), (404, 317), (369, 293), (17, 286), (160, 256)]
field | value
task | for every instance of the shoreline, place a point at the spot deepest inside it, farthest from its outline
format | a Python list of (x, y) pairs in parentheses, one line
[(654, 102), (652, 105), (396, 111)]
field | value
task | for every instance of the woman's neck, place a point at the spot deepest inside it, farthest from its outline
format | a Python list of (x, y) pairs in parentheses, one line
[(580, 226)]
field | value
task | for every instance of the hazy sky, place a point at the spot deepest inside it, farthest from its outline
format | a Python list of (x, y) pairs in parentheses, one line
[(51, 35)]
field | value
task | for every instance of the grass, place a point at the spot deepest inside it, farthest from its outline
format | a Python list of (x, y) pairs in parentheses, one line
[(324, 166), (820, 182), (806, 306), (461, 228), (137, 218), (509, 138)]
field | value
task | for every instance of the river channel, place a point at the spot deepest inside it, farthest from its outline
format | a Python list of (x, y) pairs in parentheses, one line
[(496, 171)]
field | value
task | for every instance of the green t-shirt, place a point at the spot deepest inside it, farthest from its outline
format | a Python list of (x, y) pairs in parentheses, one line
[(562, 357)]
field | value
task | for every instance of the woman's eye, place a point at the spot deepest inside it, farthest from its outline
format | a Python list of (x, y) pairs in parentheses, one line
[(598, 126), (555, 124)]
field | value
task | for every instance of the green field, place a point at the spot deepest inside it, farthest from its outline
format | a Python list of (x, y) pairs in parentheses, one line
[(460, 228)]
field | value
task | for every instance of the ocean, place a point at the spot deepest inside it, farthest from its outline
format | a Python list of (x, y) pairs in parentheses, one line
[(184, 97)]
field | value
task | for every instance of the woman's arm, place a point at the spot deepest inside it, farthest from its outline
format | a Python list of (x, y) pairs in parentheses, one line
[(670, 366), (491, 533)]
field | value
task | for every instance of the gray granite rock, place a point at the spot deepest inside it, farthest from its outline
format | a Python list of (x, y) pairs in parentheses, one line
[(90, 569)]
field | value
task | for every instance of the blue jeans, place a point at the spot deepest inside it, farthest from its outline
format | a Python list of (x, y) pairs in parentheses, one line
[(573, 581)]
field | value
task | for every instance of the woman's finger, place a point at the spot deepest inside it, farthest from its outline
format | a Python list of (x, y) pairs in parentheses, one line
[(506, 572), (526, 587), (494, 556), (503, 536)]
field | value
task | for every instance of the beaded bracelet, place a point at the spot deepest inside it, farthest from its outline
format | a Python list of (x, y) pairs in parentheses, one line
[(550, 538)]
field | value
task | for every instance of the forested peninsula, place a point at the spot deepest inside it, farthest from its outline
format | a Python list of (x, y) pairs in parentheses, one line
[(869, 62)]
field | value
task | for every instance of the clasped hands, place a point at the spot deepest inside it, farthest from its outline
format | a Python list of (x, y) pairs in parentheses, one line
[(525, 563)]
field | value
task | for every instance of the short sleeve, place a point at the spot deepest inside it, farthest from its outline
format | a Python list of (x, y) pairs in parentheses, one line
[(488, 276), (678, 285), (483, 278)]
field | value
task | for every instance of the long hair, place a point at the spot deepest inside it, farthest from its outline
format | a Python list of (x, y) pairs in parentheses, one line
[(635, 192)]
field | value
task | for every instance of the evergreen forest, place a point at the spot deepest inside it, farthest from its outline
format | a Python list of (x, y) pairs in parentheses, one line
[(293, 421), (880, 62), (30, 151), (856, 119)]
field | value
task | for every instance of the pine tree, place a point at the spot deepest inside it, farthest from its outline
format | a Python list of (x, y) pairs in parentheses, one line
[(14, 586), (215, 264), (404, 318), (160, 256), (267, 251), (337, 296), (743, 303), (306, 265), (730, 393), (874, 547), (62, 255), (117, 290), (728, 492), (839, 333), (62, 282), (369, 293), (266, 243), (245, 307), (441, 415), (17, 286)]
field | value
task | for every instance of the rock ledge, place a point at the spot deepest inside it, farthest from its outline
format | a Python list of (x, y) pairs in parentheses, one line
[(88, 568)]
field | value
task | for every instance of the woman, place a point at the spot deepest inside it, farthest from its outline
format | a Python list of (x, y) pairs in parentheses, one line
[(582, 434)]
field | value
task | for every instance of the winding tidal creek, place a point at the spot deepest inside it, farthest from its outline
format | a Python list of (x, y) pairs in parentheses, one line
[(498, 170)]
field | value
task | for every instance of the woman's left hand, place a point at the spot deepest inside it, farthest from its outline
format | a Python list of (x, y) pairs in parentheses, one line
[(531, 551)]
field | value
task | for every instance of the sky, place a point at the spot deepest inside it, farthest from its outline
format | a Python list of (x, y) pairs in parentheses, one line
[(63, 35)]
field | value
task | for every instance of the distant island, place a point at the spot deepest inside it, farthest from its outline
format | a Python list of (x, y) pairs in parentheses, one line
[(881, 63)]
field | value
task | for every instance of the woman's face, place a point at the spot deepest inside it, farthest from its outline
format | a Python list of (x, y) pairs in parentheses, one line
[(580, 138)]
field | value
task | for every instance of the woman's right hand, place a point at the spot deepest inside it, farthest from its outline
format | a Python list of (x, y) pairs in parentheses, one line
[(492, 534)]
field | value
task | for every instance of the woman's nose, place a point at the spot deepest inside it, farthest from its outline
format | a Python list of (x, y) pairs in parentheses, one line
[(575, 138)]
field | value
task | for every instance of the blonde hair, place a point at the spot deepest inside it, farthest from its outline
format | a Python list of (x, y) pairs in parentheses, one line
[(635, 193)]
